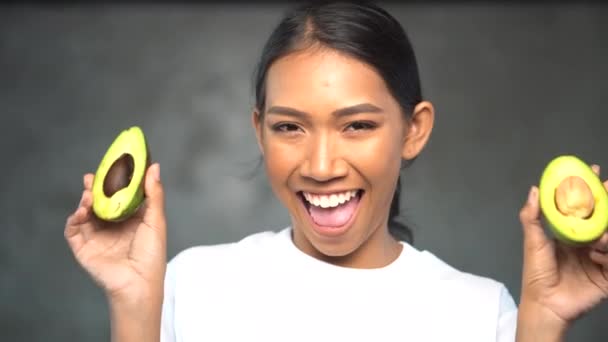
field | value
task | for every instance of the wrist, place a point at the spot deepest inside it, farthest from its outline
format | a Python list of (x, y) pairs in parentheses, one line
[(136, 303), (535, 322), (137, 318)]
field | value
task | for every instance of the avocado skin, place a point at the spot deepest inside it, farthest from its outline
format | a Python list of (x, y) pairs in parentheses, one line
[(556, 222), (128, 204)]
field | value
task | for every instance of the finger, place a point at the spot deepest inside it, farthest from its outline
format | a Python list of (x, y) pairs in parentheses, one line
[(74, 231), (596, 169), (80, 215), (601, 244), (82, 218), (599, 258), (72, 225), (87, 199), (529, 216), (154, 213), (88, 181)]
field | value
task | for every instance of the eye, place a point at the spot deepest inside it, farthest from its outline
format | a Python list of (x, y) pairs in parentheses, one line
[(285, 127), (360, 125)]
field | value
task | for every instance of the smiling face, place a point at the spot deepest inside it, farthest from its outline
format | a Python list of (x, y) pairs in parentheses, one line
[(333, 137)]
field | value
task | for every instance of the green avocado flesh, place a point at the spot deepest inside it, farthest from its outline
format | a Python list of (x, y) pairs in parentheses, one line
[(118, 189), (569, 228)]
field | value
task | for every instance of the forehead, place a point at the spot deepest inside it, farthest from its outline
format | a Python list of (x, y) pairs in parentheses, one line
[(323, 77)]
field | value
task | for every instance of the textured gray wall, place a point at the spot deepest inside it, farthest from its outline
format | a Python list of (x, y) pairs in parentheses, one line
[(513, 86)]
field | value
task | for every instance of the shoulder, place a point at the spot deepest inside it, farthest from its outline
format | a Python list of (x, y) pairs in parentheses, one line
[(465, 290), (219, 256), (473, 302), (457, 280)]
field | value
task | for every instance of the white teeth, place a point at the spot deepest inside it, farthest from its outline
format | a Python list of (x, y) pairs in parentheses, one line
[(324, 201), (333, 200), (329, 201)]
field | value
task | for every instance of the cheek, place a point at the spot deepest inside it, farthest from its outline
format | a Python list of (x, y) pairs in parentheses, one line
[(378, 159), (379, 163), (280, 161)]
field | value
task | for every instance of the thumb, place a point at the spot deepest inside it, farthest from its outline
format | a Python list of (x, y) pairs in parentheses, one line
[(154, 214), (529, 215)]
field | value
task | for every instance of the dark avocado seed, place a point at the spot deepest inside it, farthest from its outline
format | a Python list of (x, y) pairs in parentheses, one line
[(119, 175)]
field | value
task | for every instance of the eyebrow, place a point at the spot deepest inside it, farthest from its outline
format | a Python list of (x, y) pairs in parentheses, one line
[(346, 111)]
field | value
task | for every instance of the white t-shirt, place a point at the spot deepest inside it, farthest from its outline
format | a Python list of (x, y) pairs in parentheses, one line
[(263, 288)]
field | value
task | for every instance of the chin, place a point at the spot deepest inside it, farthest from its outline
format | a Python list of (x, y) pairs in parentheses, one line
[(334, 247), (336, 250)]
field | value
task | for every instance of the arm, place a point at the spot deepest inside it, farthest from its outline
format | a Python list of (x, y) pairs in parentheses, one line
[(560, 282), (136, 320), (535, 323), (126, 259)]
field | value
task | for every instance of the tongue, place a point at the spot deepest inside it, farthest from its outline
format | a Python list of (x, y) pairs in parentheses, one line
[(333, 217)]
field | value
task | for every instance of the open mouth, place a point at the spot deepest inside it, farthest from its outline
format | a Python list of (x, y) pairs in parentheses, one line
[(331, 214)]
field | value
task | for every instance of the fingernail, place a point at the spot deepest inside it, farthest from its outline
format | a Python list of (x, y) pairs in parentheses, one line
[(532, 195)]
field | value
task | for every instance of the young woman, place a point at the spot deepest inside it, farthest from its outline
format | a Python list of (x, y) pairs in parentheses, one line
[(338, 112)]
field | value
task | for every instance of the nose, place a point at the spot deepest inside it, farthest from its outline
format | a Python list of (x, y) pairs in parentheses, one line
[(324, 160)]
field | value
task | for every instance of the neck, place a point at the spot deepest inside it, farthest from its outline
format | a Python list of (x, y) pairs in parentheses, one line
[(378, 250)]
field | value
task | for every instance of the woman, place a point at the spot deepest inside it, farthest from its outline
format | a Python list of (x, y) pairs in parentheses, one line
[(338, 111)]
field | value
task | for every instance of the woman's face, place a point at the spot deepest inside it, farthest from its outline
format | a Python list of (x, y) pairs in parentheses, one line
[(332, 138)]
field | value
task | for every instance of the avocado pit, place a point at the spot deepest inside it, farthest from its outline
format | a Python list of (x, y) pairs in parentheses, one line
[(119, 175), (573, 197)]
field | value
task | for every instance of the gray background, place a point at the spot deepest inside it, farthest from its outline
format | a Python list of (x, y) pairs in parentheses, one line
[(513, 85)]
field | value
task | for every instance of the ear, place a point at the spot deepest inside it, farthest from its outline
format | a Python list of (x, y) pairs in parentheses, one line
[(256, 121), (418, 130)]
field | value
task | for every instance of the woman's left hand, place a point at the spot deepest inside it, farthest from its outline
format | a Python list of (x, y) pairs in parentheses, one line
[(559, 282)]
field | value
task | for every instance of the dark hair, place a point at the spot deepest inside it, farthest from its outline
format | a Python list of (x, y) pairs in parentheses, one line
[(361, 30)]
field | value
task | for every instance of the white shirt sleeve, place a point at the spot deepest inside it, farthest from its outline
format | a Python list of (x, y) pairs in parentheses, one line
[(507, 318), (167, 328)]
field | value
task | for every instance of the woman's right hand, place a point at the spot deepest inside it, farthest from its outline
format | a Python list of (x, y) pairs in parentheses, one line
[(126, 259)]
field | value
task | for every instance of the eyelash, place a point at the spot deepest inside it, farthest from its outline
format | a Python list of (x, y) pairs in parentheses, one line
[(285, 127), (366, 125), (289, 127)]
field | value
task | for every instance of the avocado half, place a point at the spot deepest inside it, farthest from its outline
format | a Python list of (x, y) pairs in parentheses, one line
[(573, 200), (118, 186)]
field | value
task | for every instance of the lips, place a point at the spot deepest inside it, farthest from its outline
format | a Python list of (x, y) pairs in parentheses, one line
[(331, 214), (329, 200)]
